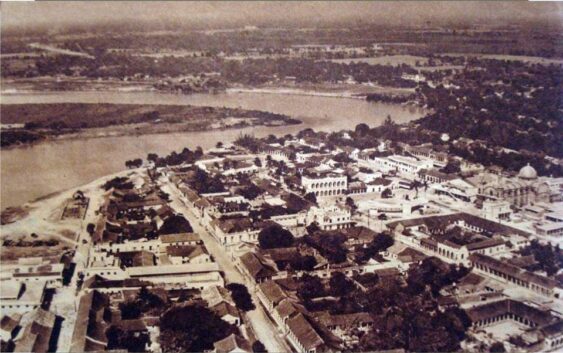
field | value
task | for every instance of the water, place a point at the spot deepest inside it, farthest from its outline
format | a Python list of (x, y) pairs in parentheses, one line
[(31, 172)]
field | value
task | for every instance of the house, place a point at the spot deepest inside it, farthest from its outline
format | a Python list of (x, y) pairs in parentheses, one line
[(270, 294), (303, 337), (340, 324), (91, 324), (256, 268), (232, 344), (230, 231), (214, 295), (227, 312), (36, 335), (377, 185)]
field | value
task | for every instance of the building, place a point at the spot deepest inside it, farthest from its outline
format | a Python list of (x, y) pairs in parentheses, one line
[(91, 323), (256, 268), (550, 229), (403, 164), (330, 218), (516, 276), (9, 326), (457, 189), (21, 297), (520, 191), (325, 185), (496, 210), (36, 335)]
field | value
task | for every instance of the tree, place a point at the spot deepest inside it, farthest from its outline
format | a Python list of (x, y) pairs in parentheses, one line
[(350, 203), (240, 295), (275, 236), (303, 263), (175, 224), (129, 310), (339, 284), (90, 228), (310, 287), (152, 157), (386, 194), (192, 329), (257, 162), (497, 347), (451, 168), (313, 228), (135, 163), (362, 129), (381, 242), (311, 197), (258, 347), (128, 340)]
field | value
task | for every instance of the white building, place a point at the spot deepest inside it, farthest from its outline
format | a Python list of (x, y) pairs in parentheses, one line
[(327, 185)]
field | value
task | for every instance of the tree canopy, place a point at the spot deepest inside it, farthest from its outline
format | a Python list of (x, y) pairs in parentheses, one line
[(175, 224), (275, 236)]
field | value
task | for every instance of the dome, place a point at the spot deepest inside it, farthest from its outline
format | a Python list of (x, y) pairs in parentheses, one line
[(528, 172)]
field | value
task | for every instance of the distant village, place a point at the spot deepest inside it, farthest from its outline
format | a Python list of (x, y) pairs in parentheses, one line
[(293, 244)]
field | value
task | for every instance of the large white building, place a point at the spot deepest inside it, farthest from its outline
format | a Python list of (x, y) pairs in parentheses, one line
[(326, 185)]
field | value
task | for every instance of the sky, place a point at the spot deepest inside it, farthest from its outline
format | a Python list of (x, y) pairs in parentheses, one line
[(215, 13)]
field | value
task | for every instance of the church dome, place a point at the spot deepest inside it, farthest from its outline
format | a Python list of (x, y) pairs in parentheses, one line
[(528, 172)]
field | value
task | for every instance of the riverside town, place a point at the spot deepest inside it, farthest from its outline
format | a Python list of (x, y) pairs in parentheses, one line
[(240, 177)]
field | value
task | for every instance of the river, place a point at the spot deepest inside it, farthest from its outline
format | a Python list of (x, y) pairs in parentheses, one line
[(31, 172)]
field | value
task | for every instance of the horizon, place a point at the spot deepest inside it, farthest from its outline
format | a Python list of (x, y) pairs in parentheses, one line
[(37, 15)]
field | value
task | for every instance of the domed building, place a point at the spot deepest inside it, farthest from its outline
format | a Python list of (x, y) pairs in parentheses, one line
[(524, 189), (528, 173)]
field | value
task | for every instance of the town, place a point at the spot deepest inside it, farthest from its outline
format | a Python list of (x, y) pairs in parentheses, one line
[(294, 243)]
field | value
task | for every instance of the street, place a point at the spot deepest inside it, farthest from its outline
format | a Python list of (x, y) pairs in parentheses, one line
[(264, 329)]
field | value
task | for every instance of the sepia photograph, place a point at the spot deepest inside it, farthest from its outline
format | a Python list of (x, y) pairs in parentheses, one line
[(281, 176)]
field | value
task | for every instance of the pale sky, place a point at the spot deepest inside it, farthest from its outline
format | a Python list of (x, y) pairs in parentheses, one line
[(15, 14)]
